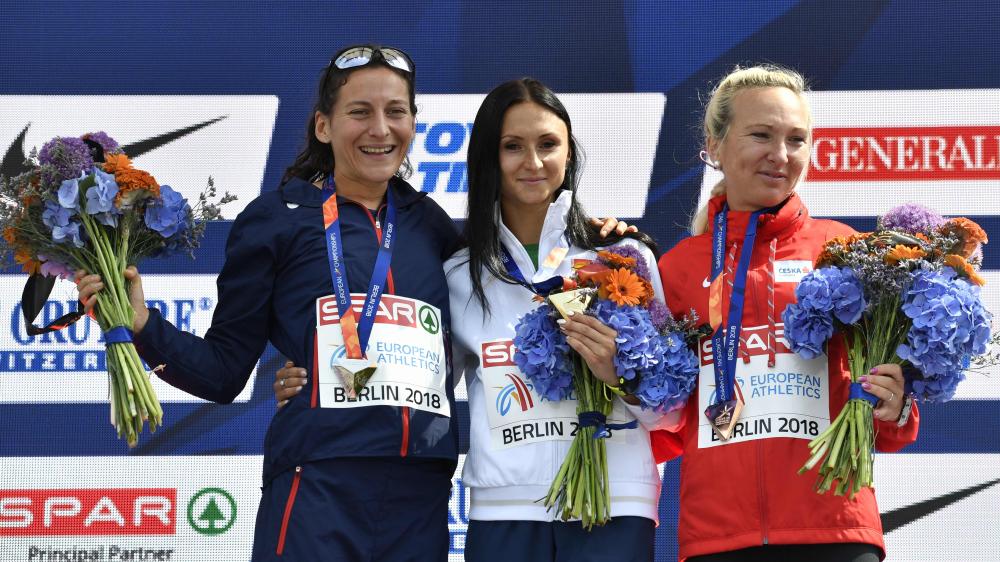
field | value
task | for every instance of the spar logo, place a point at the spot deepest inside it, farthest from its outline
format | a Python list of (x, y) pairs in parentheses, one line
[(212, 511), (516, 392), (498, 353), (754, 341), (87, 512), (967, 152), (391, 310)]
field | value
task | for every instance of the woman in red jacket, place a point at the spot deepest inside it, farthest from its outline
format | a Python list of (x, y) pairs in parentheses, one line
[(740, 497)]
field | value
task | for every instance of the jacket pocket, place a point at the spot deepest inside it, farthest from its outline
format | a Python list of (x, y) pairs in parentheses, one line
[(283, 534)]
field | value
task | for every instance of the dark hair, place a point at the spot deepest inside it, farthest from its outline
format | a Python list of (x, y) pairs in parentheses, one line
[(482, 230), (316, 158)]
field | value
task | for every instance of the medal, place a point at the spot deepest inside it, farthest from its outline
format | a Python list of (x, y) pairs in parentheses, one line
[(728, 404), (354, 371), (354, 374), (572, 302)]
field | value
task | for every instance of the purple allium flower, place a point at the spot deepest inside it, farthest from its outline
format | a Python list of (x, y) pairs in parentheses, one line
[(638, 340), (67, 156), (542, 354), (641, 269), (168, 213), (109, 144), (807, 330), (911, 218), (659, 314)]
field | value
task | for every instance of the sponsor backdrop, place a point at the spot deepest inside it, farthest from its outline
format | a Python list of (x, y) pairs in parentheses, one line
[(905, 110)]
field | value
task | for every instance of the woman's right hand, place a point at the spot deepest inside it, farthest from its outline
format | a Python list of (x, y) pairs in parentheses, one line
[(288, 382), (89, 284)]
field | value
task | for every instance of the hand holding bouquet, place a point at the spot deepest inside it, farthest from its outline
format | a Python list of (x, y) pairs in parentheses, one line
[(653, 362), (907, 293), (82, 205)]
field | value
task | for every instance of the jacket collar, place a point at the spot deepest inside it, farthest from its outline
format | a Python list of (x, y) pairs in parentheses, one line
[(553, 236), (789, 217), (304, 193)]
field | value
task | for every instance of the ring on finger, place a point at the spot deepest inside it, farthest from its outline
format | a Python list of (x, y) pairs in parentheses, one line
[(891, 396), (282, 383)]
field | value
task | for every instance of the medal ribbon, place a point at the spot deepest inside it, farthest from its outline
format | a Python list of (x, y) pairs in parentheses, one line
[(725, 340), (356, 333), (541, 288)]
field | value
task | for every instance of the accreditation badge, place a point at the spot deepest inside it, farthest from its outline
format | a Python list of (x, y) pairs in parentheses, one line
[(791, 399), (406, 348), (516, 413)]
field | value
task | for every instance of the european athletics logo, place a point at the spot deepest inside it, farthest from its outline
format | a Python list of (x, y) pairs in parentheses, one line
[(517, 391)]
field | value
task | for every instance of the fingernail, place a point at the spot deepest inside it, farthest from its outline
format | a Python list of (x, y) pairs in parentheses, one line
[(873, 371), (570, 313), (297, 389), (862, 378), (560, 321), (866, 386)]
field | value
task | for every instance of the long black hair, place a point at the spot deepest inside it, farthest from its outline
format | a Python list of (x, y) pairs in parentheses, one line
[(482, 227), (316, 158)]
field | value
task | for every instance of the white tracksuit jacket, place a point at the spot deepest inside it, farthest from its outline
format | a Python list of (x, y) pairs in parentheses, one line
[(515, 448)]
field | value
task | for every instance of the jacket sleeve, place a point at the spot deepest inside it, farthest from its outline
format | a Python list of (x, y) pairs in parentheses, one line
[(890, 438), (217, 367)]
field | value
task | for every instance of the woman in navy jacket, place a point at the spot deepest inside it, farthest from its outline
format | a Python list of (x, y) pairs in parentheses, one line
[(339, 483)]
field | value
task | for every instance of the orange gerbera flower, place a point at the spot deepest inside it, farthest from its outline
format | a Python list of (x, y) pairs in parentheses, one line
[(115, 162), (132, 182), (964, 268), (970, 234), (10, 235), (903, 252), (616, 260), (623, 287), (29, 265)]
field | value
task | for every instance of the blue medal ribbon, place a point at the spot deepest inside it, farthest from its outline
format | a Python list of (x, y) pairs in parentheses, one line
[(726, 339), (335, 255), (541, 288), (602, 429)]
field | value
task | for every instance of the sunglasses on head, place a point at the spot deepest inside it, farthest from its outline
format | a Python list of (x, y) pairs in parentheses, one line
[(361, 56)]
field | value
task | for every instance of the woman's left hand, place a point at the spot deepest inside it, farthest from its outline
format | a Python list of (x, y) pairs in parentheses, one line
[(611, 223), (885, 382), (595, 342)]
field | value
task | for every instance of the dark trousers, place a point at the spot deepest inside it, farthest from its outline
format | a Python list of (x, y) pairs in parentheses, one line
[(623, 539), (357, 510), (839, 552)]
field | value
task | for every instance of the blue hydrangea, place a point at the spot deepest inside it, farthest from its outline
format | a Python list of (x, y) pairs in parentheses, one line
[(638, 340), (101, 198), (848, 294), (814, 291), (68, 233), (55, 215), (807, 330), (69, 194), (168, 214), (669, 384), (542, 354), (949, 325)]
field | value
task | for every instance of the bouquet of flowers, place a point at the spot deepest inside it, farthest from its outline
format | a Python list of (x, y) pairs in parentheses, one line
[(654, 361), (82, 205), (907, 293)]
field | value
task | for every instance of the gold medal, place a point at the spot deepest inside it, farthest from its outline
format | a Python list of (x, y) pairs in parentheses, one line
[(575, 301), (724, 415), (354, 374)]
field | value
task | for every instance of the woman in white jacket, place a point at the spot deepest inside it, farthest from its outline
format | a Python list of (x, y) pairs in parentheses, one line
[(525, 226)]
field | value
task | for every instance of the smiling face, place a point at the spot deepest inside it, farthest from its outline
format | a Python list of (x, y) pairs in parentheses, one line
[(766, 149), (534, 150), (369, 129)]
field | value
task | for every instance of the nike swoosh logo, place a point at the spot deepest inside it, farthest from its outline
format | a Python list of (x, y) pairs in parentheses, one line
[(13, 160), (905, 515), (706, 283)]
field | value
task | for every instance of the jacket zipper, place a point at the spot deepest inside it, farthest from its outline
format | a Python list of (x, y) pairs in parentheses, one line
[(761, 496), (288, 510), (404, 411)]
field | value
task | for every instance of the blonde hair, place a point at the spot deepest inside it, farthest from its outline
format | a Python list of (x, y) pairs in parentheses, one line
[(719, 111)]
